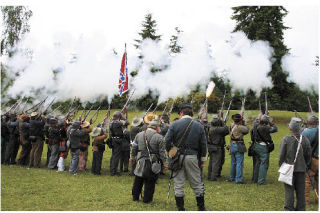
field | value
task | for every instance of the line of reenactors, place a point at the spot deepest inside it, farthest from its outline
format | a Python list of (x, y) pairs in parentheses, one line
[(151, 136)]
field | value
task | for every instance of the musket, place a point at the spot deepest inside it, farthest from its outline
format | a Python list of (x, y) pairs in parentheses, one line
[(260, 111), (105, 124), (17, 106), (222, 106), (242, 107), (298, 114), (37, 106), (148, 109), (86, 115), (44, 112), (227, 114), (155, 108), (24, 106), (171, 108), (310, 107), (266, 101), (204, 112), (165, 108), (126, 105), (80, 118), (192, 99), (94, 115), (53, 111)]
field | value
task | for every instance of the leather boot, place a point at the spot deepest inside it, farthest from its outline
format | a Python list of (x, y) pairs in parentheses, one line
[(200, 203), (180, 203)]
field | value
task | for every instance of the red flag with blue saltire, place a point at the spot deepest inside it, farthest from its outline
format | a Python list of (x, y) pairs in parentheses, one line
[(123, 80)]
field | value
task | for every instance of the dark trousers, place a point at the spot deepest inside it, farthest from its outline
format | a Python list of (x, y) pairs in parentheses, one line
[(115, 158), (223, 155), (124, 160), (133, 167), (298, 186), (96, 162), (24, 154), (3, 149), (11, 150), (36, 152), (48, 154), (215, 163), (149, 186)]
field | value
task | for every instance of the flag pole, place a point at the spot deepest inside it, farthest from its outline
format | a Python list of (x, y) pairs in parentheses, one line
[(125, 50)]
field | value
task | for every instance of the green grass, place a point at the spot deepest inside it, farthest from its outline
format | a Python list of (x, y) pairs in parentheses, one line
[(46, 190)]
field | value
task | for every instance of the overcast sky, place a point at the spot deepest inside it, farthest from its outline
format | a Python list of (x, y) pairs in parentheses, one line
[(107, 25)]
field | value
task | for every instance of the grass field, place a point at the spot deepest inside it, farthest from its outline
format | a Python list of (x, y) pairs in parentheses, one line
[(46, 190)]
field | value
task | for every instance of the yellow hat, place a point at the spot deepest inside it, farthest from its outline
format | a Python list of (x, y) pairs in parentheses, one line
[(149, 117), (34, 114), (85, 124)]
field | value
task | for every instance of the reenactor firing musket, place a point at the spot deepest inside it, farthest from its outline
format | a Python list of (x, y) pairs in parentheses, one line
[(171, 108), (222, 106), (260, 111), (204, 113), (266, 101), (148, 109), (14, 106), (46, 109), (86, 115), (310, 107), (227, 114), (165, 108), (94, 115)]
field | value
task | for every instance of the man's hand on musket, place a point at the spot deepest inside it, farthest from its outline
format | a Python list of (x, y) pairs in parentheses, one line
[(132, 161)]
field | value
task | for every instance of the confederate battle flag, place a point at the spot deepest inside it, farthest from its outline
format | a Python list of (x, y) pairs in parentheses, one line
[(123, 80)]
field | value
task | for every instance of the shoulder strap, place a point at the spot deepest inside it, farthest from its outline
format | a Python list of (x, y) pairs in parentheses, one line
[(186, 132), (299, 145)]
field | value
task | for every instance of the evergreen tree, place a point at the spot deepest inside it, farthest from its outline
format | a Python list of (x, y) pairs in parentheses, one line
[(174, 47), (266, 23), (148, 30)]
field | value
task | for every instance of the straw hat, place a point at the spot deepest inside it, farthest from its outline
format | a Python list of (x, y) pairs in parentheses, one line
[(96, 132), (149, 117), (34, 114)]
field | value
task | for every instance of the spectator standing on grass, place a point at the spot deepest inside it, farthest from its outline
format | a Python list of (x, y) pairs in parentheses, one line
[(260, 135), (237, 130), (287, 153), (193, 157), (140, 151), (312, 133), (98, 146), (75, 133), (84, 144), (36, 136), (216, 142)]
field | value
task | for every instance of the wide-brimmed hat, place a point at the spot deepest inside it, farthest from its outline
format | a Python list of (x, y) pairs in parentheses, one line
[(215, 119), (312, 119), (95, 132), (22, 117), (136, 121), (116, 114), (149, 117), (33, 114), (85, 124), (154, 123), (295, 124), (236, 117)]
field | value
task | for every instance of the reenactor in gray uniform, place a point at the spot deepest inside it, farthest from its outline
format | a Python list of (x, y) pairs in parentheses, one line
[(140, 154), (194, 150), (24, 139), (260, 135), (125, 149), (164, 124), (117, 137), (216, 143), (287, 153), (75, 134), (136, 127), (84, 144), (54, 139)]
